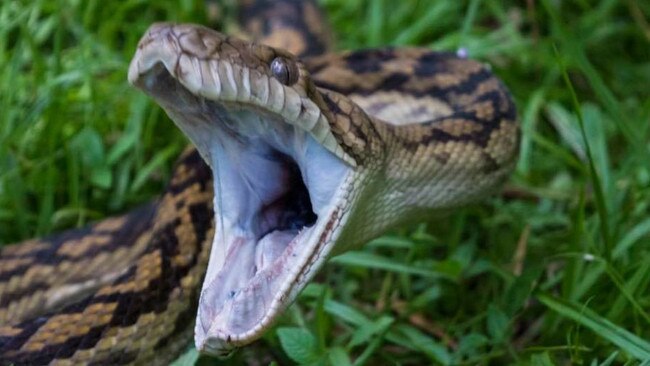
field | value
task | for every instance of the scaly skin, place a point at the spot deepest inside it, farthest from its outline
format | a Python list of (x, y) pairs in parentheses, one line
[(413, 132), (416, 133)]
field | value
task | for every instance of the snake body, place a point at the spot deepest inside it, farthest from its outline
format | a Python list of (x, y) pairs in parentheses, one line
[(311, 156)]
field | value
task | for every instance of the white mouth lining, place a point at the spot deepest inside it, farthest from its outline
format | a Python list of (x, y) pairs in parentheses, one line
[(324, 186), (315, 249)]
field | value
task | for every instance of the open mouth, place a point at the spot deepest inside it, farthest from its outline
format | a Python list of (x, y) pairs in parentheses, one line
[(276, 194)]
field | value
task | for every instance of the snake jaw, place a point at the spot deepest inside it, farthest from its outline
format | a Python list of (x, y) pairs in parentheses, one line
[(279, 178), (259, 259)]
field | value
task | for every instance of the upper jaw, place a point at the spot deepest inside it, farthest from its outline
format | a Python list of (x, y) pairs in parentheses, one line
[(211, 65), (258, 263)]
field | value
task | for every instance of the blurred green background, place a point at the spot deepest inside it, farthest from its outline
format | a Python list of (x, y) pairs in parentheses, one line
[(555, 270)]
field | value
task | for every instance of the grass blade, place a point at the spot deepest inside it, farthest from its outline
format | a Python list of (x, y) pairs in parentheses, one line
[(627, 341), (595, 180)]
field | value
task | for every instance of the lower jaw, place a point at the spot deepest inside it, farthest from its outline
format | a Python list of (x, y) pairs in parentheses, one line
[(241, 320), (243, 314)]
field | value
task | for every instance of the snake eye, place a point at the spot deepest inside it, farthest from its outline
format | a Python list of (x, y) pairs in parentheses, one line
[(284, 70)]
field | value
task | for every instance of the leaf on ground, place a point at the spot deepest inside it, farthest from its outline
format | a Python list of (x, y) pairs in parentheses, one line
[(299, 344)]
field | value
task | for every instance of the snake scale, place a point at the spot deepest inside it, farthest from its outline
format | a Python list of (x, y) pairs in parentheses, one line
[(312, 156)]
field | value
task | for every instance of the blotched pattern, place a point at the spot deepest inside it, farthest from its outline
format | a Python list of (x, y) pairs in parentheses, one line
[(423, 130)]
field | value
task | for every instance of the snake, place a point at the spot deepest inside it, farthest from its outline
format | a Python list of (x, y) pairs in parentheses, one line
[(312, 153)]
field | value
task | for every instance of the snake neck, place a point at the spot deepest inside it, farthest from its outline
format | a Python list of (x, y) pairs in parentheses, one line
[(451, 140)]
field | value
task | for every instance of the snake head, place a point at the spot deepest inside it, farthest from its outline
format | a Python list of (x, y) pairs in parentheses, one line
[(215, 67), (282, 178)]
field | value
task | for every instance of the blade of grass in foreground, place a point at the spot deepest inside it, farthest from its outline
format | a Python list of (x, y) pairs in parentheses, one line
[(369, 260), (577, 54), (630, 343), (595, 180)]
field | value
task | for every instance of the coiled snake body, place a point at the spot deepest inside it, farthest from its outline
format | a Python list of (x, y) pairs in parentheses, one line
[(311, 157)]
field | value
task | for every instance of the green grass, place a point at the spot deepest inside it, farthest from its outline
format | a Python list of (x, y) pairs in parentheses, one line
[(556, 270)]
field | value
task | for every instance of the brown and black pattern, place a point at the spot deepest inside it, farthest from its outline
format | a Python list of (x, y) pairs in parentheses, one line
[(140, 314), (353, 129), (294, 25), (31, 273), (125, 290), (479, 105)]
